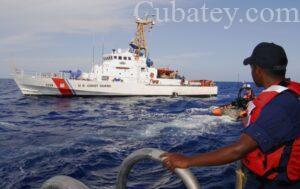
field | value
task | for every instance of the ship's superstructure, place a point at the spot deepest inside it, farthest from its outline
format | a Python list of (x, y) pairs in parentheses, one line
[(127, 72)]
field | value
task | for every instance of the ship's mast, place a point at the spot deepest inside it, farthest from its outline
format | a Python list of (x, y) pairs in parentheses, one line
[(139, 43)]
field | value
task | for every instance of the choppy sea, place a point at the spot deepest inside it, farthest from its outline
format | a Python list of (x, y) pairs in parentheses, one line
[(87, 138)]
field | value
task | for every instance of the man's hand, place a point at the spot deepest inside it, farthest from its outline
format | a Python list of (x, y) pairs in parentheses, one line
[(221, 156), (172, 161)]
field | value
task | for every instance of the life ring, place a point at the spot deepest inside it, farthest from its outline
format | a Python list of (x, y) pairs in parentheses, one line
[(154, 81), (152, 75), (136, 57)]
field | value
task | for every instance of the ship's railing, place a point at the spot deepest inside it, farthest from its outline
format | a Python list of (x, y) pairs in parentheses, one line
[(64, 182), (202, 83), (22, 73)]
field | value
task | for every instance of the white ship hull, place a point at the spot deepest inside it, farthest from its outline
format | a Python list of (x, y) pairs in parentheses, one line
[(59, 86)]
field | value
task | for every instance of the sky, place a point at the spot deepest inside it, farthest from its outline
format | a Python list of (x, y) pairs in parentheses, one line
[(48, 36)]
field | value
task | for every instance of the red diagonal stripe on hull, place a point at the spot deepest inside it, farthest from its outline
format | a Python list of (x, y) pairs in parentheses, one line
[(62, 86)]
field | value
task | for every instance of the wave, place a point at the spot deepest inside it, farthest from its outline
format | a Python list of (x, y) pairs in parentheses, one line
[(89, 137), (190, 125)]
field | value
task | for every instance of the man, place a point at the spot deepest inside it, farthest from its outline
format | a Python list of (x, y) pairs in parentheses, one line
[(249, 94), (269, 146)]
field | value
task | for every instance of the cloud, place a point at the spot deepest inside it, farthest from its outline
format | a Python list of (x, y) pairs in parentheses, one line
[(29, 21), (33, 29), (16, 39), (178, 59), (187, 55), (23, 21)]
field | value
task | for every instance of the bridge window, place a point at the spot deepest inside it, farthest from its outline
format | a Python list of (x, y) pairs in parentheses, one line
[(125, 58), (120, 57), (105, 78), (108, 58), (129, 58), (115, 57)]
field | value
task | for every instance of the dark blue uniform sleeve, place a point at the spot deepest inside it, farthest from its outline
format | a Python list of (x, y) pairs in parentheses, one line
[(278, 123)]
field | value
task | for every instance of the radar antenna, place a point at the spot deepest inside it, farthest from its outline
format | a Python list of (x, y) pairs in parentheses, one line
[(139, 43)]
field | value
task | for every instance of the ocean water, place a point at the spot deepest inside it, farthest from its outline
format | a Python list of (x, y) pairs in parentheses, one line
[(87, 138)]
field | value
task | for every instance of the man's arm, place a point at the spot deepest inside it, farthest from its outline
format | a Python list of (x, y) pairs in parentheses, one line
[(221, 156)]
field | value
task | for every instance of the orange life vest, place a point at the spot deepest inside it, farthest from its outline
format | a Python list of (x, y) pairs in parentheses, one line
[(284, 162)]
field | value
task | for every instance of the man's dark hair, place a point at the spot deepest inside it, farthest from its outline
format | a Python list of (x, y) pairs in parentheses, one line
[(276, 73), (281, 72)]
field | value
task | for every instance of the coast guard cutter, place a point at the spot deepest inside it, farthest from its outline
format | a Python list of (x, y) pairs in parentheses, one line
[(122, 73)]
